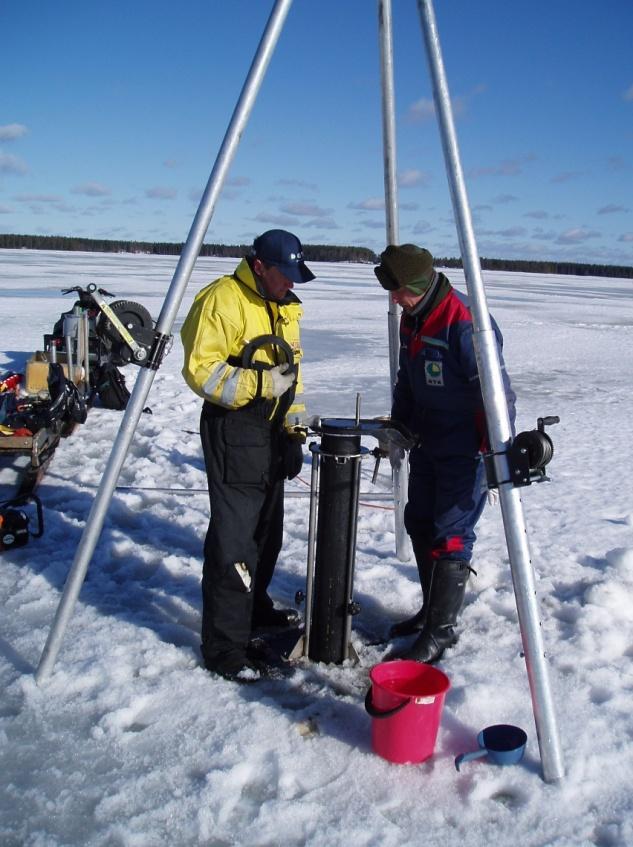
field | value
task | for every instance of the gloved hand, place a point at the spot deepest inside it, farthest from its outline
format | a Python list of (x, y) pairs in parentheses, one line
[(396, 455), (292, 457), (282, 381)]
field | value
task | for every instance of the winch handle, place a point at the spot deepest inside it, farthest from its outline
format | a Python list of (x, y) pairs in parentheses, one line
[(275, 341)]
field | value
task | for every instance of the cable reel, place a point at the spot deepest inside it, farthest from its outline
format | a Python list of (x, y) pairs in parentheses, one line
[(126, 330), (528, 456)]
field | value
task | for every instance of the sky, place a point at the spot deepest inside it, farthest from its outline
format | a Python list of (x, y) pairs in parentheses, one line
[(131, 743), (111, 118)]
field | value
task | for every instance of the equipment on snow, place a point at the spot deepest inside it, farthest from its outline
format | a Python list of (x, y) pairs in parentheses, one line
[(405, 702), (528, 456), (14, 522), (503, 744), (489, 371), (111, 388), (334, 494)]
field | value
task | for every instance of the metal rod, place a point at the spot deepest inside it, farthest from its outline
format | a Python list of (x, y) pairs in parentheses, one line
[(314, 493), (168, 314), (351, 554), (69, 357), (126, 489), (85, 327), (497, 416), (400, 473)]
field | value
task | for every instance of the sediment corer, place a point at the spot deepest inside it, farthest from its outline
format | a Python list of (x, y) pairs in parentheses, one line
[(14, 522), (334, 491)]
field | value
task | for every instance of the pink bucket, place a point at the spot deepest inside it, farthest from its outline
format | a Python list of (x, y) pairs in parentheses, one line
[(405, 702)]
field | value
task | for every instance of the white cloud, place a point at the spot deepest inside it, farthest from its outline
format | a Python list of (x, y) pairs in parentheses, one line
[(628, 94), (305, 210), (512, 232), (508, 167), (278, 220), (37, 198), (566, 176), (421, 110), (238, 181), (373, 224), (321, 223), (91, 189), (422, 227), (503, 199), (371, 204), (11, 164), (577, 235), (611, 209), (627, 237), (9, 132), (299, 183), (412, 177), (160, 192)]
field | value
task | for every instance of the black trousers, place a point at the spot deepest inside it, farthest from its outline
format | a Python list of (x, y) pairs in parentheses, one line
[(242, 458)]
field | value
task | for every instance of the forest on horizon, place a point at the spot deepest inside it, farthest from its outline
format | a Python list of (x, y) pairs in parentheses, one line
[(313, 252)]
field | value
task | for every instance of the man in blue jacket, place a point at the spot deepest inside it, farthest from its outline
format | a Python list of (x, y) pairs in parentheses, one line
[(438, 397)]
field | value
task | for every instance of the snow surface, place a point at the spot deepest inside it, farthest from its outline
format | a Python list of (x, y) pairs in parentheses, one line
[(130, 742)]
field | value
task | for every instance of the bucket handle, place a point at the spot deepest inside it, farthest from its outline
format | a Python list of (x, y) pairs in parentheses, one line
[(373, 711)]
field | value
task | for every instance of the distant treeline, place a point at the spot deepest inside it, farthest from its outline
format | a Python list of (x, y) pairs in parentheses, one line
[(543, 267), (313, 252)]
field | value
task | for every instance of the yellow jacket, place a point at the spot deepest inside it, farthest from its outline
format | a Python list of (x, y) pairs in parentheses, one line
[(224, 317)]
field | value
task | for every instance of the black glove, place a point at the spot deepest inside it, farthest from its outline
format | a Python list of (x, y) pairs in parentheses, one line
[(292, 456)]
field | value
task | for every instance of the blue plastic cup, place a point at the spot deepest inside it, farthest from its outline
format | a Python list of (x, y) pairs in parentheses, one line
[(502, 743)]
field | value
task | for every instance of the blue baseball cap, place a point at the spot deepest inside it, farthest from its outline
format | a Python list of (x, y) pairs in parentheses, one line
[(282, 249)]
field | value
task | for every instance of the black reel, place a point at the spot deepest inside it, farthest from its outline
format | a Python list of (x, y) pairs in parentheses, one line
[(528, 456), (136, 320), (14, 522)]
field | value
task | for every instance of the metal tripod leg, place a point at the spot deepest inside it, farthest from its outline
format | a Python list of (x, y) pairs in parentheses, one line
[(400, 475), (165, 322), (496, 415)]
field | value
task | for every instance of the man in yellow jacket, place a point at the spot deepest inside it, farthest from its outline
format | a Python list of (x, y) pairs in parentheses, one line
[(242, 357)]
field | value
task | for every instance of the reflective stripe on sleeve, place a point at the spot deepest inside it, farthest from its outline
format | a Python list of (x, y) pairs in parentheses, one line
[(221, 387)]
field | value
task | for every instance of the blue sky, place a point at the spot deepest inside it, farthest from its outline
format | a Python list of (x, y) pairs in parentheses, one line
[(112, 114)]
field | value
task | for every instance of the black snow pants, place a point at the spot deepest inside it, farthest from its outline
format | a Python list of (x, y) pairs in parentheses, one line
[(246, 492)]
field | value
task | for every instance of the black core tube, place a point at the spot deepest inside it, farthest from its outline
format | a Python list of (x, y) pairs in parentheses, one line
[(335, 542)]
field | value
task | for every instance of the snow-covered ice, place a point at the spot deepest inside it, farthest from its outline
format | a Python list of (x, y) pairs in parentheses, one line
[(130, 742)]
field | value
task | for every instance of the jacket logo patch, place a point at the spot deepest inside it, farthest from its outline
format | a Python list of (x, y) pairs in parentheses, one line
[(434, 373)]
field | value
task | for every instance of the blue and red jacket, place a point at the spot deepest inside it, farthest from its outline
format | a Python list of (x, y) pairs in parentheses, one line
[(437, 393)]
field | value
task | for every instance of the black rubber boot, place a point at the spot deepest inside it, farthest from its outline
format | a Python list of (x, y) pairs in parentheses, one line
[(448, 588), (415, 624)]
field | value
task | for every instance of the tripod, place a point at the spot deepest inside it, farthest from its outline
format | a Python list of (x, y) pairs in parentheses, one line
[(487, 356)]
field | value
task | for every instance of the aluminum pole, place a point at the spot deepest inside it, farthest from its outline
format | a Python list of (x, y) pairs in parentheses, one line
[(496, 415), (400, 473), (176, 291)]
